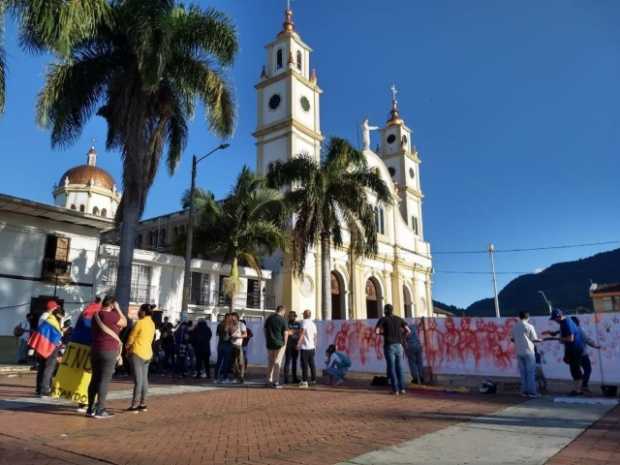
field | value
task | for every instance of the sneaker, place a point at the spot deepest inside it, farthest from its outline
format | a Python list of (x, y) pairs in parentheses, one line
[(90, 413), (143, 408), (339, 382), (533, 396), (203, 376), (395, 393), (276, 386), (403, 392), (313, 382), (303, 384), (103, 415), (81, 409), (133, 408)]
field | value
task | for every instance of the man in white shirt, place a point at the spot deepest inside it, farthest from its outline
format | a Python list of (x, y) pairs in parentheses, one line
[(524, 336), (307, 346)]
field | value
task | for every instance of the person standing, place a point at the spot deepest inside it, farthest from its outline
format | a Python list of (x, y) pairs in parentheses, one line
[(292, 352), (201, 340), (105, 352), (413, 351), (45, 341), (393, 328), (586, 363), (246, 343), (573, 347), (523, 335), (140, 349), (237, 336), (276, 335), (307, 346)]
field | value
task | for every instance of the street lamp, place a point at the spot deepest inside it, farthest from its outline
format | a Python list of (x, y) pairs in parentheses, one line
[(547, 301), (187, 276)]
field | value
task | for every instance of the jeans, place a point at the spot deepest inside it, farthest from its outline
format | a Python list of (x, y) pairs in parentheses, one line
[(103, 364), (307, 360), (290, 361), (587, 369), (416, 363), (226, 361), (527, 371), (274, 360), (22, 350), (202, 360), (140, 368), (393, 358), (238, 365), (45, 371)]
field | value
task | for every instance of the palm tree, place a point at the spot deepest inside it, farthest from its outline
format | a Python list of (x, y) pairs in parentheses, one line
[(50, 25), (326, 196), (243, 227), (143, 70)]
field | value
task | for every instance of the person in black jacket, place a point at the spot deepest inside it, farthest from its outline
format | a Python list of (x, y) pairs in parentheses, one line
[(201, 341)]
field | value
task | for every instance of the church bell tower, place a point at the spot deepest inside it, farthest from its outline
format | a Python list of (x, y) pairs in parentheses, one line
[(287, 101)]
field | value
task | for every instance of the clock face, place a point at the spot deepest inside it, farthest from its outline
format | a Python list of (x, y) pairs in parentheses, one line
[(391, 138), (274, 101), (305, 103), (411, 173)]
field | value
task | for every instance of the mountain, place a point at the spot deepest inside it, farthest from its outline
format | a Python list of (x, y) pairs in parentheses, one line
[(456, 311), (566, 285)]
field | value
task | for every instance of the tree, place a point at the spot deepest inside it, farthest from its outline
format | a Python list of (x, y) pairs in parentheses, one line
[(143, 70), (326, 196), (243, 227)]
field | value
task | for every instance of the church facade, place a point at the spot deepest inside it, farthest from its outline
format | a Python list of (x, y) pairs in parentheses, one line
[(288, 113)]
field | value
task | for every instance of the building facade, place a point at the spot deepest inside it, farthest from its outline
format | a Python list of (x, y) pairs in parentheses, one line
[(288, 113), (605, 297)]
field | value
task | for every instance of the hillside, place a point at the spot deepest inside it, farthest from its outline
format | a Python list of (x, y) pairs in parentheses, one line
[(565, 284)]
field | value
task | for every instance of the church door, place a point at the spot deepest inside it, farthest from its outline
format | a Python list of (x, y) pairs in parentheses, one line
[(337, 298), (372, 299)]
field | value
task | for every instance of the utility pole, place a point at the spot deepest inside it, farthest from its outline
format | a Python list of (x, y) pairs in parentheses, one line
[(187, 275), (494, 279)]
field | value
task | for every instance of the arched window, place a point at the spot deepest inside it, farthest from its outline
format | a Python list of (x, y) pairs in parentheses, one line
[(82, 208), (104, 213), (73, 207), (279, 59), (299, 60), (380, 220), (96, 211)]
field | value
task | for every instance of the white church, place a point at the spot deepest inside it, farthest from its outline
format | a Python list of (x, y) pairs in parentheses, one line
[(289, 124)]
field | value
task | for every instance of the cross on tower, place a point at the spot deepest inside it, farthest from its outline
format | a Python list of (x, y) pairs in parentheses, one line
[(394, 92)]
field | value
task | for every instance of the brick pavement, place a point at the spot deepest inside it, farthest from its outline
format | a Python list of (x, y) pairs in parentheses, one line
[(246, 426), (598, 445)]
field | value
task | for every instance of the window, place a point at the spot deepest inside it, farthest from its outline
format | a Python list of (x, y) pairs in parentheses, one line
[(82, 208), (96, 211), (380, 220), (56, 257), (299, 60), (153, 239), (139, 240), (162, 237), (253, 294), (104, 213), (200, 289), (414, 225), (140, 282), (279, 59)]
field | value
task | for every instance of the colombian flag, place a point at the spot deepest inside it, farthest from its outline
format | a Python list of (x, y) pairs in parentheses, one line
[(47, 337), (82, 332)]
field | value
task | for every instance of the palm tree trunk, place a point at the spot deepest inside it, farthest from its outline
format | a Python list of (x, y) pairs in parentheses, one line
[(125, 258), (326, 281)]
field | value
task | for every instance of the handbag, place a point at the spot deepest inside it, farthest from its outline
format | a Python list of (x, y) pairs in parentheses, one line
[(113, 335)]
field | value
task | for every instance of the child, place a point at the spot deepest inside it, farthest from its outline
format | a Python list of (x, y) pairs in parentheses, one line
[(541, 380), (338, 363)]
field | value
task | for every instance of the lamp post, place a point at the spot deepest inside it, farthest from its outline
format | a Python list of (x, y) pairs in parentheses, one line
[(547, 301), (492, 255), (187, 276)]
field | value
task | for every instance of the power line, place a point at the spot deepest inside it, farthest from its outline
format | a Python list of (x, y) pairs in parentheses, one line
[(531, 249), (546, 271)]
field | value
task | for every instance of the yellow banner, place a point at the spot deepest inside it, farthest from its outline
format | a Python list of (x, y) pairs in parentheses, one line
[(74, 373)]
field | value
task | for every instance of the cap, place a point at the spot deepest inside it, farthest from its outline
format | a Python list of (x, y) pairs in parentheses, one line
[(556, 313), (52, 305)]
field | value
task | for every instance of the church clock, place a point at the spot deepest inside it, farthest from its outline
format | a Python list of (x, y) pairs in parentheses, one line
[(274, 101), (305, 103)]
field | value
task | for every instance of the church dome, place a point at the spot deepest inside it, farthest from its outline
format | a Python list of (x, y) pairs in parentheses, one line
[(84, 174)]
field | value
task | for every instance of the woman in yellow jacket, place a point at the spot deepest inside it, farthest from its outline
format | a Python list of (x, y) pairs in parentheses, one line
[(140, 349)]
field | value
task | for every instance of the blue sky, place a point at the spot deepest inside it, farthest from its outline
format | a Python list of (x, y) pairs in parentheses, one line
[(514, 107)]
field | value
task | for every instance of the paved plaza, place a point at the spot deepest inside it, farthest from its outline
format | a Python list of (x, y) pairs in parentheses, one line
[(201, 423)]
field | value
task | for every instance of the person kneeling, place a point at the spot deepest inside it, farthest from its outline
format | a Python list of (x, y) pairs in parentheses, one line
[(338, 363)]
